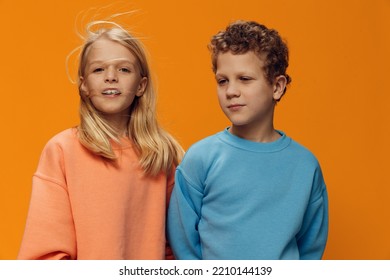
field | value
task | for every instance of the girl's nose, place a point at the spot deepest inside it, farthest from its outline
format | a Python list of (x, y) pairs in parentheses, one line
[(111, 76)]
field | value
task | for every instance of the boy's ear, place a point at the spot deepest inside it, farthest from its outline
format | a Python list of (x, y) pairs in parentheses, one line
[(279, 87), (142, 86)]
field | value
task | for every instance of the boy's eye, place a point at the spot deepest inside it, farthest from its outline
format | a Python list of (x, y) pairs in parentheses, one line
[(244, 78), (221, 82), (124, 69)]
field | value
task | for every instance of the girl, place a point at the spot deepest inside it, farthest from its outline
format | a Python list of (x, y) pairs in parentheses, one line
[(101, 189)]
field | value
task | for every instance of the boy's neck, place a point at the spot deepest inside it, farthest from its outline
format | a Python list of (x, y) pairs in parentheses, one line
[(264, 135)]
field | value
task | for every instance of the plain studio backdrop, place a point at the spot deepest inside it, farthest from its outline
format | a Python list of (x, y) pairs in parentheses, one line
[(337, 104)]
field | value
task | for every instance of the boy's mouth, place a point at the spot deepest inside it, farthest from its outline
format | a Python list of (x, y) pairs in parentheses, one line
[(235, 106)]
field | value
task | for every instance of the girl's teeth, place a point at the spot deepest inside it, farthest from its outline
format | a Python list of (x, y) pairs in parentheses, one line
[(111, 92)]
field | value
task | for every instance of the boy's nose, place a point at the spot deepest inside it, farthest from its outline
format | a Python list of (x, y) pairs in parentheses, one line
[(232, 91)]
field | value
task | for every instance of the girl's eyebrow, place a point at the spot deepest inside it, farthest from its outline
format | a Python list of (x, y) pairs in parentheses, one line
[(111, 60)]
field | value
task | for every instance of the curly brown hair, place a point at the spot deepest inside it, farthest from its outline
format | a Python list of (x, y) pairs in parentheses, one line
[(243, 36)]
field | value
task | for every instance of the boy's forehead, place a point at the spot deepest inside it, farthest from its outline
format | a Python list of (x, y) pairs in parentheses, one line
[(254, 53), (227, 60)]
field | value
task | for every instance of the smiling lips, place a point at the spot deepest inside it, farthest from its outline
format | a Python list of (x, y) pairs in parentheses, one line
[(111, 92)]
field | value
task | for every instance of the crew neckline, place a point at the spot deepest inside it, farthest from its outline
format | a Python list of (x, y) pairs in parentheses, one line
[(281, 143), (125, 143)]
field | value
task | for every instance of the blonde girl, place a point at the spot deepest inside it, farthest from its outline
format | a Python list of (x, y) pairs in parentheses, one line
[(101, 189)]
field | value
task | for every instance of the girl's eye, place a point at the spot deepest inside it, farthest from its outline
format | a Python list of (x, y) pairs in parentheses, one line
[(96, 70)]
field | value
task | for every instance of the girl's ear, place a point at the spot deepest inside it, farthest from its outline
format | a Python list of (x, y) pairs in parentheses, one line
[(83, 88), (142, 86), (279, 87)]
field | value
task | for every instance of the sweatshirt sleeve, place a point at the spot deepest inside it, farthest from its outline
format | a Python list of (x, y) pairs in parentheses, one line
[(170, 183), (49, 231), (183, 219), (313, 235)]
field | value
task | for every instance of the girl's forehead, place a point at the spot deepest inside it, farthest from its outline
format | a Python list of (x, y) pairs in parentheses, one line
[(111, 61), (108, 50)]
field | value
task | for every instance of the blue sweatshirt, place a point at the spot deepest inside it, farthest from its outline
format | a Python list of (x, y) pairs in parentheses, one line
[(238, 199)]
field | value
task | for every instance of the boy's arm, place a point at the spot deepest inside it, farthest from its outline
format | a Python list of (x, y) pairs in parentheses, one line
[(313, 235), (183, 219)]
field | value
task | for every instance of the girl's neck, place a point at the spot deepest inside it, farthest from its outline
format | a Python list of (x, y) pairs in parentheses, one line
[(120, 124)]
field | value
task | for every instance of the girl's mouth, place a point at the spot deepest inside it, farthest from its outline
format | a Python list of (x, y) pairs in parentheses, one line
[(111, 92)]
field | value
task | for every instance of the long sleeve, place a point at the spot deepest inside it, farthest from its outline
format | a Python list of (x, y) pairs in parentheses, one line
[(183, 219), (238, 199), (86, 208), (170, 183), (49, 232), (312, 237)]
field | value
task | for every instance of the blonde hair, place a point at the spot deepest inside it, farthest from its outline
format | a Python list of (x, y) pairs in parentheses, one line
[(158, 151)]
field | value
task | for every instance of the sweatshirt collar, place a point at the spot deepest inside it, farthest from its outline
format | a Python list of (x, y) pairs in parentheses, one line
[(244, 144)]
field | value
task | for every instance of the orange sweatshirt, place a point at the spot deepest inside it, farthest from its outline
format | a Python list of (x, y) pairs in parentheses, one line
[(84, 207)]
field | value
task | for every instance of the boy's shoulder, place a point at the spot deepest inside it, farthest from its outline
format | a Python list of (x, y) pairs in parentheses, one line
[(301, 154), (205, 142), (205, 146), (201, 150), (286, 147)]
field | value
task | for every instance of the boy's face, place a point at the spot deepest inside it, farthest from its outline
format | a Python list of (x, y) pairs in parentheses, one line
[(244, 94)]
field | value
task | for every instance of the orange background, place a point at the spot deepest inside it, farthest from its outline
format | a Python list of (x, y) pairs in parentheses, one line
[(337, 105)]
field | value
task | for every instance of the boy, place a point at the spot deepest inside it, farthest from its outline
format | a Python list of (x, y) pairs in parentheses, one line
[(250, 191)]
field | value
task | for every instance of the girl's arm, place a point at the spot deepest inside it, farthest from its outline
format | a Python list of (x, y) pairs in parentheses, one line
[(49, 232), (170, 183)]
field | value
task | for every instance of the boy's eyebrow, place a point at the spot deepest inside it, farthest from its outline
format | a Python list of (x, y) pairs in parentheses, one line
[(238, 73)]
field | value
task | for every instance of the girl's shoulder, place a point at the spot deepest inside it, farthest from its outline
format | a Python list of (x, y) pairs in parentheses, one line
[(67, 137), (54, 151)]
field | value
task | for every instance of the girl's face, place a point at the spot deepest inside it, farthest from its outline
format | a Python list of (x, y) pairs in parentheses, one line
[(112, 79)]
